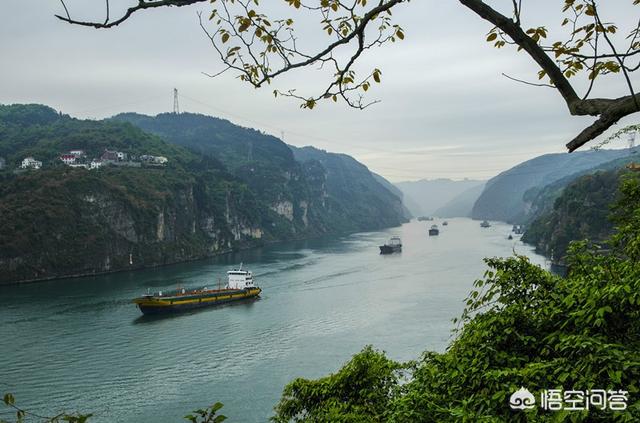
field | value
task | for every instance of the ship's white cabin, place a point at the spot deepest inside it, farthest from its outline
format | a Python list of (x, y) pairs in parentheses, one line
[(240, 279)]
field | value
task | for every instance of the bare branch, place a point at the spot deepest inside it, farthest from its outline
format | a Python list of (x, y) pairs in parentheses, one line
[(527, 82), (528, 44), (613, 49), (65, 9), (609, 111), (260, 49), (142, 5)]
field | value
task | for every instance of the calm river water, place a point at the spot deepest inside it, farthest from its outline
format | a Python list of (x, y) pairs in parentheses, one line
[(80, 345)]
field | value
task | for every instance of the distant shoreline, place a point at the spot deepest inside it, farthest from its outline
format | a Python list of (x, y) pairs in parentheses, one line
[(218, 254)]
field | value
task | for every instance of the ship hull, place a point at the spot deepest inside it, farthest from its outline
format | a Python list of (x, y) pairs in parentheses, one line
[(167, 305), (387, 249), (434, 232)]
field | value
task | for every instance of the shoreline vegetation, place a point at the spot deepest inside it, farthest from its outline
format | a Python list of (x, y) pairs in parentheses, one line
[(216, 254), (511, 334), (523, 327), (220, 188)]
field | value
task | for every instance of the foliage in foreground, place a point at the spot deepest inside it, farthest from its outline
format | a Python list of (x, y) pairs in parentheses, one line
[(522, 327), (202, 415)]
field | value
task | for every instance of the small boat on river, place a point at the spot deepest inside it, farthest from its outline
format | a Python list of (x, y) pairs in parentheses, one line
[(485, 224), (393, 246), (240, 286), (433, 230)]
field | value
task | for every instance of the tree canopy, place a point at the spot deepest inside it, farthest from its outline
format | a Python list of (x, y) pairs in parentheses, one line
[(522, 327), (259, 48)]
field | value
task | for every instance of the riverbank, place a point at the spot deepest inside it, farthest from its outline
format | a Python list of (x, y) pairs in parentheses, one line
[(134, 268), (323, 299)]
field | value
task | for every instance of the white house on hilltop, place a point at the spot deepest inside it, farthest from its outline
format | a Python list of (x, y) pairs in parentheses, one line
[(31, 163)]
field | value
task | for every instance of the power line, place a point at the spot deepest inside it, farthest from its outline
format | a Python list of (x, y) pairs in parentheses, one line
[(117, 106)]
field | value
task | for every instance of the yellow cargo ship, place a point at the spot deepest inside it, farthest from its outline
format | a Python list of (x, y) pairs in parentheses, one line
[(240, 286)]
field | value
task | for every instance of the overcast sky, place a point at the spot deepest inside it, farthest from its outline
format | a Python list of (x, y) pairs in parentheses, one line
[(446, 111)]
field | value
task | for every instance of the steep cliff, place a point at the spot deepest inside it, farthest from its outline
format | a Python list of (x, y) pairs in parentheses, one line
[(61, 221), (316, 190), (580, 212), (355, 197), (67, 221)]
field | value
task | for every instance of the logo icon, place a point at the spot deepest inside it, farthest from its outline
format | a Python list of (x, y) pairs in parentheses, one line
[(522, 399)]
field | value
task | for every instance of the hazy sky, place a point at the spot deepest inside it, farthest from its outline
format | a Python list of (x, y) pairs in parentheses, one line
[(446, 111)]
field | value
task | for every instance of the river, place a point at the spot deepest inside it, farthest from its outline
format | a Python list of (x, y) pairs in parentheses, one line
[(81, 345)]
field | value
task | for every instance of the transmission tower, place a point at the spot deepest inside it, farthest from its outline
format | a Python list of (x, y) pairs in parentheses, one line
[(176, 106)]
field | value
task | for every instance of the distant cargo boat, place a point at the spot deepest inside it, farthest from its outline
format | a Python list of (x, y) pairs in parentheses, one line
[(445, 223), (240, 286), (393, 246), (485, 224), (433, 230), (423, 218)]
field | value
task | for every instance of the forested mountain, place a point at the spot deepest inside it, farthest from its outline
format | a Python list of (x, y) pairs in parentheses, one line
[(581, 211), (505, 196), (213, 195), (286, 177), (352, 189), (426, 196), (540, 200)]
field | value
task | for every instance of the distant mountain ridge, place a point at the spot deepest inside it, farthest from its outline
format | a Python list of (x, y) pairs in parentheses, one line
[(505, 195), (462, 204), (425, 197)]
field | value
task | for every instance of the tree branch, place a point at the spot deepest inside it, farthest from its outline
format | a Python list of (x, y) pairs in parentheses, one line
[(349, 29), (142, 5), (528, 44), (527, 82), (609, 111)]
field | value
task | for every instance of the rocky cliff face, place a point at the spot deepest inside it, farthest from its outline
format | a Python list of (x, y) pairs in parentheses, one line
[(351, 196), (230, 188), (94, 226), (581, 211)]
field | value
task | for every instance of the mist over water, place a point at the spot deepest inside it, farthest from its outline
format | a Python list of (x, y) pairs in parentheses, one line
[(81, 345)]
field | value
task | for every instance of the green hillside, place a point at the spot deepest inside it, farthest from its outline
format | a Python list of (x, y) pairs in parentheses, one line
[(352, 191), (580, 212), (62, 221), (323, 191), (504, 195)]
